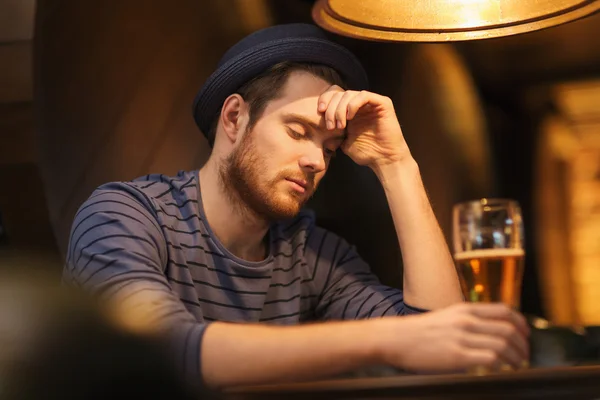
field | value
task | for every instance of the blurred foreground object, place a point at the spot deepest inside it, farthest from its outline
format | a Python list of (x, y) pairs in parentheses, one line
[(444, 20), (56, 343)]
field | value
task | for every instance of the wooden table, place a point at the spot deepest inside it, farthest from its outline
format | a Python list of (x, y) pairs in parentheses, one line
[(572, 383)]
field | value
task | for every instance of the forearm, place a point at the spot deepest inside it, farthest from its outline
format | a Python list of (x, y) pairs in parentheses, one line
[(430, 279), (243, 354)]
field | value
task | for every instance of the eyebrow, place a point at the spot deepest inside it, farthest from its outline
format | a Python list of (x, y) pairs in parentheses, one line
[(301, 119)]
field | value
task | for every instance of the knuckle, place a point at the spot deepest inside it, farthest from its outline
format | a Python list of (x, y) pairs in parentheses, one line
[(388, 101), (464, 322), (504, 345), (510, 330), (326, 95), (329, 114), (505, 310), (456, 352), (461, 339), (491, 359)]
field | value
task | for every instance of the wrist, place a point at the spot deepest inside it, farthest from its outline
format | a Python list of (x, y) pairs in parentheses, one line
[(368, 344), (389, 172), (393, 337)]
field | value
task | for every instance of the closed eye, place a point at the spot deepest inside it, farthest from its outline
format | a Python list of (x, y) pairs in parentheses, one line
[(295, 134)]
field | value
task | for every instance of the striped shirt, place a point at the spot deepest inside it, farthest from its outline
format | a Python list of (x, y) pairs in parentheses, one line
[(149, 239)]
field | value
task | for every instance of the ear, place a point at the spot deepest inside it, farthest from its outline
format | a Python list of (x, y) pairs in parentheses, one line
[(234, 117)]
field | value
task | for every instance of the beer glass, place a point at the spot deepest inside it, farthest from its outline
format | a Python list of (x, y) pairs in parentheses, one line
[(489, 254), (488, 250)]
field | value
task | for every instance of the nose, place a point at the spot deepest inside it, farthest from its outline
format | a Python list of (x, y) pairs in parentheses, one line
[(312, 159)]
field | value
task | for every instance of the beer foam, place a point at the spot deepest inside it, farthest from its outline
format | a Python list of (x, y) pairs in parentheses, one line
[(489, 253)]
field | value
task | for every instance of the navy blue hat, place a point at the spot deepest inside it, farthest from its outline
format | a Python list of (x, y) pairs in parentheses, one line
[(262, 49)]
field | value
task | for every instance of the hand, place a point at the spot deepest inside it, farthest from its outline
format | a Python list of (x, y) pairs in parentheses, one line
[(458, 337), (374, 136)]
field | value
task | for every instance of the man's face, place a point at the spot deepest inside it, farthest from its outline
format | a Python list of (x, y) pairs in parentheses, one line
[(279, 163)]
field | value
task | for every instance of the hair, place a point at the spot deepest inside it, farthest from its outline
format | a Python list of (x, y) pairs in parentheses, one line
[(267, 86)]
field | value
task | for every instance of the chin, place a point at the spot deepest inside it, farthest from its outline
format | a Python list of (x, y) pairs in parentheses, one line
[(285, 207)]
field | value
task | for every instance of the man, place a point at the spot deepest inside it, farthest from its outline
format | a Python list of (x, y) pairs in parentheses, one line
[(221, 257)]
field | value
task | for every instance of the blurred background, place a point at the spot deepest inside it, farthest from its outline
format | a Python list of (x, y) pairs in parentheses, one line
[(99, 91)]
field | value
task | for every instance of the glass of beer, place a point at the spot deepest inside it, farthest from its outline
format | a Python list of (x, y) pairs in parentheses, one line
[(489, 254), (489, 250)]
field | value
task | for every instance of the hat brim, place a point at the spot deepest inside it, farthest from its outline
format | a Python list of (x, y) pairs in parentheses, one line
[(230, 76)]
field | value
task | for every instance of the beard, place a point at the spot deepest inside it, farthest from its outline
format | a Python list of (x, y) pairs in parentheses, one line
[(243, 174)]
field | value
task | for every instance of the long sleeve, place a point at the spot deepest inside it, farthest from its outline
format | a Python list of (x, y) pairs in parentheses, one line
[(352, 291), (117, 251)]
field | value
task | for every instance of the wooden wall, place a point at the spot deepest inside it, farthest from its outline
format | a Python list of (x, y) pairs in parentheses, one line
[(114, 84)]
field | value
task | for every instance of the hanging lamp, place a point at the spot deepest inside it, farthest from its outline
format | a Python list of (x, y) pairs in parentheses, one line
[(445, 20)]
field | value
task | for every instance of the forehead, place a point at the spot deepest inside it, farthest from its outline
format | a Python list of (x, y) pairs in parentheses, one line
[(300, 95)]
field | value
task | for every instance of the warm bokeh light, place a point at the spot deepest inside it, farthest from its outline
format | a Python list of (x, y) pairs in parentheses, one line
[(568, 204)]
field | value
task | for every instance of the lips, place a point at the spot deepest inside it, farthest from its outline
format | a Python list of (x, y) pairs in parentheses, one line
[(299, 182)]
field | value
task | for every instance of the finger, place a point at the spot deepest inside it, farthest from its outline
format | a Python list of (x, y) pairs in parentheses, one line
[(325, 97), (342, 109), (504, 349), (500, 311), (368, 100), (482, 358), (521, 322), (503, 330), (331, 109), (357, 102)]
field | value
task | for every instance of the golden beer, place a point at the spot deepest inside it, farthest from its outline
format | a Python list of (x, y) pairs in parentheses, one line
[(491, 275)]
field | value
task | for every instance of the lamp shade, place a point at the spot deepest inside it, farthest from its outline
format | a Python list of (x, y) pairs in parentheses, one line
[(445, 20)]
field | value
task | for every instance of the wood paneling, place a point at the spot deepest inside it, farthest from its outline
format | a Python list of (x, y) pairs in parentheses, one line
[(16, 20), (17, 135), (15, 72), (114, 84)]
